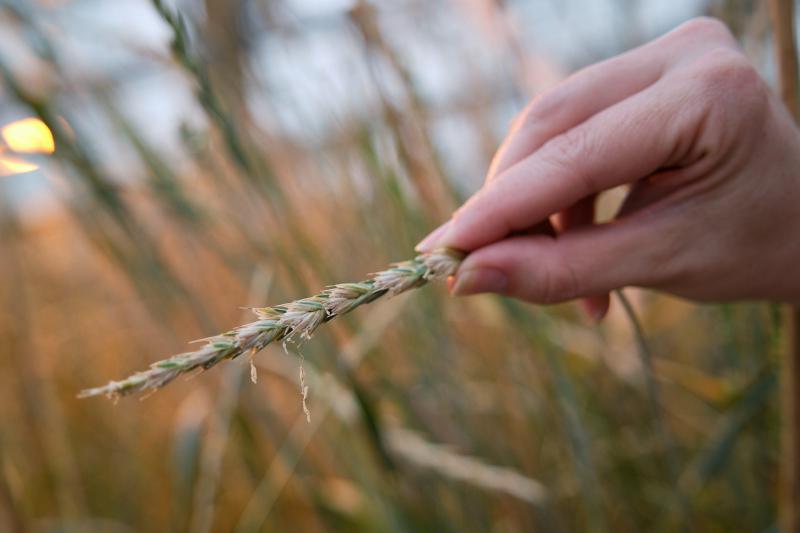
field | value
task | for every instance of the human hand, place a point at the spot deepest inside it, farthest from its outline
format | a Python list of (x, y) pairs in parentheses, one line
[(713, 162)]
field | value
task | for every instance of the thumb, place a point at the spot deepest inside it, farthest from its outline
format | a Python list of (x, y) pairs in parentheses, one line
[(580, 215), (580, 263)]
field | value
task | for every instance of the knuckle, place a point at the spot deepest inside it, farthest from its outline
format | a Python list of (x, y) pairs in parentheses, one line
[(728, 65), (706, 28), (730, 84)]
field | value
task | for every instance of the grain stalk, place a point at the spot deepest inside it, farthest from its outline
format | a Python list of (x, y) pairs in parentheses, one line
[(782, 15), (289, 322)]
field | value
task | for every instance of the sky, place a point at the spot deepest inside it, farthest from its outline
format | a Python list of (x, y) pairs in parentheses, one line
[(309, 72)]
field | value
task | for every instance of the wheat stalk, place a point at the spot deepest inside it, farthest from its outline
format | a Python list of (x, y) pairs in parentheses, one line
[(293, 320)]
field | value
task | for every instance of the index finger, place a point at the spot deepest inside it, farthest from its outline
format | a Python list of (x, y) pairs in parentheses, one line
[(621, 144)]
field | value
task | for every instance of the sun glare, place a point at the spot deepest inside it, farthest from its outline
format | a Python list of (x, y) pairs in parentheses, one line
[(26, 136)]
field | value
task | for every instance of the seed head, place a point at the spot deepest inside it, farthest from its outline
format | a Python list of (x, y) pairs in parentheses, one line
[(288, 321)]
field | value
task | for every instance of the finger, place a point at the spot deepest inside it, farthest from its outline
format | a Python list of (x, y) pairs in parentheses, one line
[(596, 307), (599, 86), (582, 263), (545, 227), (582, 214), (577, 215), (641, 194), (429, 243), (619, 145), (576, 99), (652, 189)]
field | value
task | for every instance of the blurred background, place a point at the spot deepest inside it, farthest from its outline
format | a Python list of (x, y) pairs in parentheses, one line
[(164, 164)]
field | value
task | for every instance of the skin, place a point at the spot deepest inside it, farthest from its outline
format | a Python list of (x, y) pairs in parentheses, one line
[(712, 161)]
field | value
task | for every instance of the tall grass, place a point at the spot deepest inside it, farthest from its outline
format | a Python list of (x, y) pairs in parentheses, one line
[(428, 413)]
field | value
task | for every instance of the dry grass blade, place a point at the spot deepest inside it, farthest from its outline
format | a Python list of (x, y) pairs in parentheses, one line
[(287, 322), (472, 470)]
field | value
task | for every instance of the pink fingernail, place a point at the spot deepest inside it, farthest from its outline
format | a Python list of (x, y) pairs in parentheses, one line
[(428, 243), (478, 280)]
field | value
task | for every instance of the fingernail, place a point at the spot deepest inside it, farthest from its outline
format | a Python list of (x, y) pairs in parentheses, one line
[(428, 243), (478, 280)]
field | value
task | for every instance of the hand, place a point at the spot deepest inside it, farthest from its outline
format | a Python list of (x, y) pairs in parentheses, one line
[(712, 159)]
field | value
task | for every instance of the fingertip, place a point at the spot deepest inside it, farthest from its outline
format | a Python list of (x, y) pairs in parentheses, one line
[(431, 241), (596, 307), (467, 232), (477, 223), (500, 268)]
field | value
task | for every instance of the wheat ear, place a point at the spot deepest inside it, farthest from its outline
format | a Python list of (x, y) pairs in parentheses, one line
[(298, 319)]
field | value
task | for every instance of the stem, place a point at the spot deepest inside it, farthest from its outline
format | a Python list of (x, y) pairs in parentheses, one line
[(653, 392), (782, 17), (654, 397)]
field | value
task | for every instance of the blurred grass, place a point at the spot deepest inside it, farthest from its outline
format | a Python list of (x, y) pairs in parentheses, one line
[(122, 272)]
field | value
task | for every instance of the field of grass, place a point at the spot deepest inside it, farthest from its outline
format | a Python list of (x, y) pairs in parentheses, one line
[(427, 413)]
